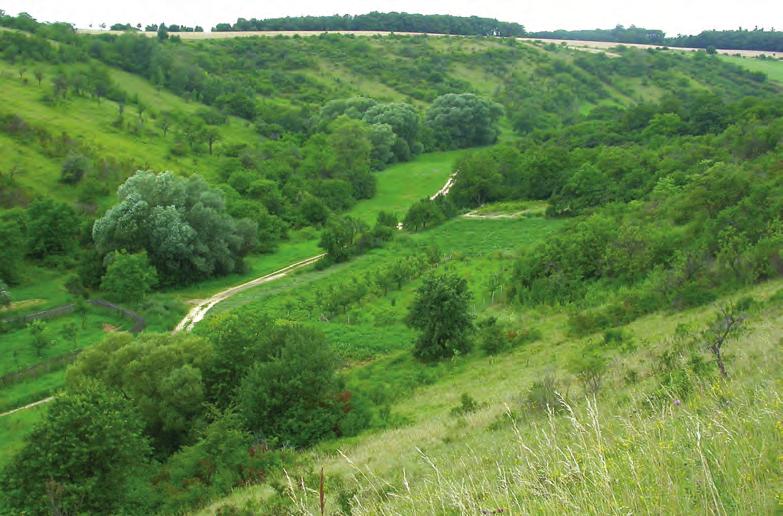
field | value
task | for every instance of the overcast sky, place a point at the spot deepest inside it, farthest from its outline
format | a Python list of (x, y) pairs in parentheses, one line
[(672, 16)]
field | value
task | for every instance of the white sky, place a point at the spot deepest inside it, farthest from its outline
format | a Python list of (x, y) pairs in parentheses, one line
[(672, 16)]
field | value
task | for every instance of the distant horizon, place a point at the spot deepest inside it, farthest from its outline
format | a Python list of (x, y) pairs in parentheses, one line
[(669, 16)]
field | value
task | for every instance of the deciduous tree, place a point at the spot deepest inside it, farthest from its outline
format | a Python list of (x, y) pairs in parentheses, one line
[(80, 458), (129, 277), (441, 313)]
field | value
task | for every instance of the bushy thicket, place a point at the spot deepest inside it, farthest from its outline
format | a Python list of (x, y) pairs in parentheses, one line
[(180, 419), (677, 202)]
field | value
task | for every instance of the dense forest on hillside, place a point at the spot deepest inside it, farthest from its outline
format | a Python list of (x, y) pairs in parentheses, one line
[(588, 191), (740, 39), (388, 22)]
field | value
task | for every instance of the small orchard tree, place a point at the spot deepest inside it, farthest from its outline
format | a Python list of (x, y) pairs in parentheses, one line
[(211, 135), (81, 311), (40, 336), (165, 120), (129, 277), (440, 312), (70, 332)]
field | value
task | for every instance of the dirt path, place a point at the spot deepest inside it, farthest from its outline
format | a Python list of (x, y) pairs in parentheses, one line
[(445, 188), (495, 216), (29, 405), (198, 312)]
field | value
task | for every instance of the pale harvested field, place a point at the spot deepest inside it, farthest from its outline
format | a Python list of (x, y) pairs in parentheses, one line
[(577, 44), (604, 45)]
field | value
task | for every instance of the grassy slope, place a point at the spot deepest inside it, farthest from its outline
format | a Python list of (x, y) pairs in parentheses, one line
[(717, 452), (14, 429), (90, 122), (490, 380), (401, 185)]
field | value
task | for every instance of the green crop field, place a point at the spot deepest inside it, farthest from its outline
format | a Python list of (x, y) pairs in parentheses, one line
[(773, 68)]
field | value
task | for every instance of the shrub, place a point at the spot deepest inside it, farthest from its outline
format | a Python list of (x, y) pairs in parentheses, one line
[(80, 459), (293, 398), (491, 337), (74, 168), (589, 368), (129, 277), (546, 395), (467, 405)]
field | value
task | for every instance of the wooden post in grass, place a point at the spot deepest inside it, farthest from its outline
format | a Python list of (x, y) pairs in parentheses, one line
[(321, 492)]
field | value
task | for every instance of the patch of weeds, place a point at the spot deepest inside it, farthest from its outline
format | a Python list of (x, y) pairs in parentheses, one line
[(467, 405), (547, 394)]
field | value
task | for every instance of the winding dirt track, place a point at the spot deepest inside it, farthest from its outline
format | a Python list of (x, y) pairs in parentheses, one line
[(445, 188), (198, 312), (29, 405)]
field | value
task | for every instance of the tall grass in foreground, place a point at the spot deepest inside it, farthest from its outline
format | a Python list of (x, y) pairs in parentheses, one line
[(717, 453)]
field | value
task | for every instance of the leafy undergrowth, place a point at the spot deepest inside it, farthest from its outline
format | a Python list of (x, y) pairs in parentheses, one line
[(470, 438)]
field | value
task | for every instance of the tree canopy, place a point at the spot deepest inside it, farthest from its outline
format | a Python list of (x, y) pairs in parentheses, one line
[(393, 22), (160, 375), (459, 120), (292, 397), (440, 312), (80, 459), (128, 276), (182, 225)]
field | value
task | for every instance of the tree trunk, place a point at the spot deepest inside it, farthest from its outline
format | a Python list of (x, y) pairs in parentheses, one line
[(719, 360)]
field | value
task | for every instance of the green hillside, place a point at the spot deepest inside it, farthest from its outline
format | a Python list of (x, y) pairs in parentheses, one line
[(587, 321)]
